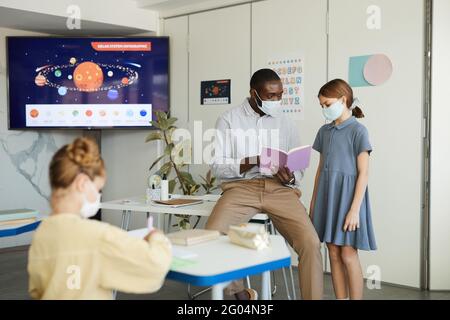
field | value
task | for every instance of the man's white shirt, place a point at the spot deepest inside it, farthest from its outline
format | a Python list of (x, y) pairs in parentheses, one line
[(242, 133)]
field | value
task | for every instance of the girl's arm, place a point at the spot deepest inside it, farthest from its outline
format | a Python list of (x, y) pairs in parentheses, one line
[(316, 185), (352, 219)]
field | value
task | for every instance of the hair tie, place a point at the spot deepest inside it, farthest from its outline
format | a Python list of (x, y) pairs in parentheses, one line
[(355, 103)]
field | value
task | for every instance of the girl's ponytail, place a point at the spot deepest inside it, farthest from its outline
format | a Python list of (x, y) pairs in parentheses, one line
[(356, 110), (358, 113)]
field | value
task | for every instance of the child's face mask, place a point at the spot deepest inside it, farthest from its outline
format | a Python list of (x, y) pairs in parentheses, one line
[(334, 111), (89, 209)]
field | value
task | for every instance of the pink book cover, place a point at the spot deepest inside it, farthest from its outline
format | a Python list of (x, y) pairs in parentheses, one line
[(296, 159)]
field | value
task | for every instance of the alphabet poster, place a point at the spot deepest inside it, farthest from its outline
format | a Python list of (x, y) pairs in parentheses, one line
[(291, 72)]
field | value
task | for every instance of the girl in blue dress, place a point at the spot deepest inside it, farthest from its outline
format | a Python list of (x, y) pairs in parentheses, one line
[(340, 207)]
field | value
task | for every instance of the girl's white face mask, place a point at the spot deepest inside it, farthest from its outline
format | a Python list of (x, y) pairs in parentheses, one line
[(269, 107), (89, 209), (334, 111)]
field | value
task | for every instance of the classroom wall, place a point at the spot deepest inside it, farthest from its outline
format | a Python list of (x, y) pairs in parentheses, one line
[(236, 41), (440, 150), (24, 156), (394, 117)]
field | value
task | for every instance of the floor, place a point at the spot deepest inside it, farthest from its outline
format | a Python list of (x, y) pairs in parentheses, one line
[(14, 283)]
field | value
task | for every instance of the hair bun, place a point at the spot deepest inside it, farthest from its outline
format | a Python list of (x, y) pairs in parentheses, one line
[(84, 152)]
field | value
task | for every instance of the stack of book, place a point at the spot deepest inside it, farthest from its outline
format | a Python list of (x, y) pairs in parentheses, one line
[(192, 236), (17, 217)]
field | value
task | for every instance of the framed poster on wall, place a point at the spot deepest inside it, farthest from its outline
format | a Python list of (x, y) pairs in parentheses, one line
[(215, 92)]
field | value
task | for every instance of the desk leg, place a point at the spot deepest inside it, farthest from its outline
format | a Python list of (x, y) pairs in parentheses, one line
[(265, 286), (217, 290), (127, 224), (161, 221), (122, 223)]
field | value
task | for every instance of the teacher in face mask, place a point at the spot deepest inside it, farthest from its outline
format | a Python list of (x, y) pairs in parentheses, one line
[(241, 133), (72, 257)]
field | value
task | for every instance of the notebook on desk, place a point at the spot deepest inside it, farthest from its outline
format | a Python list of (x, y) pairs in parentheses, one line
[(175, 203)]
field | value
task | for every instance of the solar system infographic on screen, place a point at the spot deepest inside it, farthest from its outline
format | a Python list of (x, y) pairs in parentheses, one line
[(86, 82)]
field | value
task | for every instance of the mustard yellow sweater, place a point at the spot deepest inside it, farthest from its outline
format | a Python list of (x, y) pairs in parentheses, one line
[(75, 258)]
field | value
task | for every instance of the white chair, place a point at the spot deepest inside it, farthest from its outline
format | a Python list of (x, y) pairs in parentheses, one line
[(264, 219)]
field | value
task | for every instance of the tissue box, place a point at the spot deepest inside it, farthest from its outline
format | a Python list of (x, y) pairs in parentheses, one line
[(249, 235)]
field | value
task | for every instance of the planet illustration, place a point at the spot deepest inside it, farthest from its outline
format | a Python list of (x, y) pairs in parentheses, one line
[(143, 113), (130, 113), (89, 113), (88, 76), (102, 113), (62, 91), (75, 113), (116, 113), (40, 80), (34, 113), (113, 94)]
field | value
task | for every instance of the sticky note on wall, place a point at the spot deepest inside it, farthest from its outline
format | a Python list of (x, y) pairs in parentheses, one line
[(369, 70), (356, 71)]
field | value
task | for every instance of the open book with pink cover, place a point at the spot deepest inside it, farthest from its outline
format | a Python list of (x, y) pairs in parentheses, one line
[(296, 159)]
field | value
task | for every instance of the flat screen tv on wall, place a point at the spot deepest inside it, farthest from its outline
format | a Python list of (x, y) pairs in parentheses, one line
[(87, 83)]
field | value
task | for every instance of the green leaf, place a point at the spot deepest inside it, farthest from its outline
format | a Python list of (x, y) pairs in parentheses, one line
[(155, 124), (172, 184), (168, 149), (187, 178), (161, 115), (206, 181), (165, 169), (156, 161), (154, 136), (194, 189), (163, 124), (169, 134), (171, 122)]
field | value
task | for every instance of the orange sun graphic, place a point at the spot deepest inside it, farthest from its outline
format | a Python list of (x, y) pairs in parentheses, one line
[(88, 76)]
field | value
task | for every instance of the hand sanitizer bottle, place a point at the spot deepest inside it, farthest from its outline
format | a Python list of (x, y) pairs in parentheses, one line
[(164, 188)]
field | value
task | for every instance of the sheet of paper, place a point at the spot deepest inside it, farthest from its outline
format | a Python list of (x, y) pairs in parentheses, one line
[(178, 263), (183, 253)]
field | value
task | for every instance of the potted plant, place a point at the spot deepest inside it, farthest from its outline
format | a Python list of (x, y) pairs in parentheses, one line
[(173, 162)]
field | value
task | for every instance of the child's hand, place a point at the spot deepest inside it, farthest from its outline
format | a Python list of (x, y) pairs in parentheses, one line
[(151, 233), (351, 221)]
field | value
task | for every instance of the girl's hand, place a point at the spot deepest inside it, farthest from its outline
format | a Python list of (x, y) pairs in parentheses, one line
[(351, 221), (151, 233)]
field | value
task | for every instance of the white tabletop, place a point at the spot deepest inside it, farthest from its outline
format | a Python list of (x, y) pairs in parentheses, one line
[(220, 260), (139, 204)]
